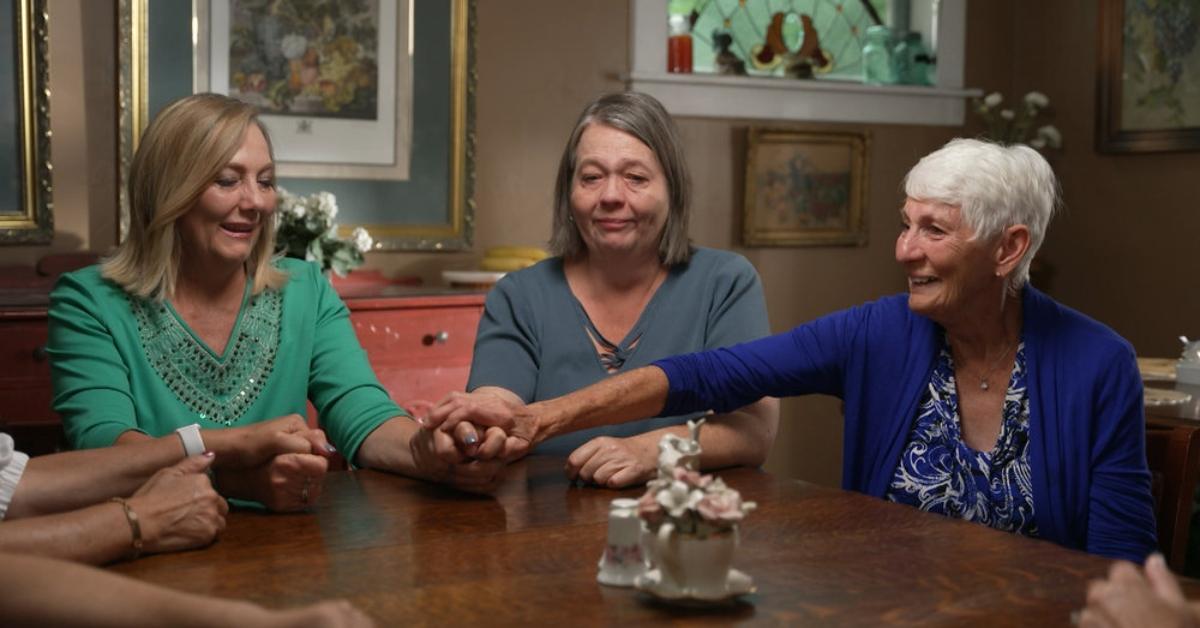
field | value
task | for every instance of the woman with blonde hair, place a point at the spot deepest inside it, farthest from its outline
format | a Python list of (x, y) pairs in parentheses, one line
[(196, 327)]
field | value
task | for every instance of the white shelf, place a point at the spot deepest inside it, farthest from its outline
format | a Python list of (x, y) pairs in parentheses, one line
[(714, 96)]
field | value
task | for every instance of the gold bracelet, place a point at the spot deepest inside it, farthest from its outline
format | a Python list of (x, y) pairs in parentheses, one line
[(134, 526)]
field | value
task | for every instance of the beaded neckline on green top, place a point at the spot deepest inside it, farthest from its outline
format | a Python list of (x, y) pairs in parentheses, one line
[(218, 389)]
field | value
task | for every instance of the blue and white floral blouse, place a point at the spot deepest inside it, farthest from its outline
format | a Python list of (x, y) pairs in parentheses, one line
[(940, 473)]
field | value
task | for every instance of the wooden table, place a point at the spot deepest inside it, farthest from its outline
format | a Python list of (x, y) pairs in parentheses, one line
[(405, 551)]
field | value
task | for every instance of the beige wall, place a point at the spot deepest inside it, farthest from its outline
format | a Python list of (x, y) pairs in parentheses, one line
[(1128, 226), (1126, 249)]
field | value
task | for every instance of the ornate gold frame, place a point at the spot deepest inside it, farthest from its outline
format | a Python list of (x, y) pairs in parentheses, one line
[(855, 233), (454, 234), (35, 224)]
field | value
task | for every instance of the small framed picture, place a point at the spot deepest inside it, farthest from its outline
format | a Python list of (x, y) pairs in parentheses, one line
[(1148, 92), (805, 188)]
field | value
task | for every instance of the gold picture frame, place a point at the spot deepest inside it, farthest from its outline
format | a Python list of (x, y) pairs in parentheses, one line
[(805, 188), (27, 209), (1140, 106), (433, 210)]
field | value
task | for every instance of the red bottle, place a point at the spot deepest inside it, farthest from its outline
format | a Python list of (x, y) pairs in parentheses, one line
[(679, 45)]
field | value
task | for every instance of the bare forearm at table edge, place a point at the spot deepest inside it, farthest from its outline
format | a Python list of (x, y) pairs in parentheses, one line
[(96, 535), (38, 591), (627, 397), (75, 479)]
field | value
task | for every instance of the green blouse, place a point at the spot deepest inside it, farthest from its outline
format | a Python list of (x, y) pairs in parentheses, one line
[(119, 363)]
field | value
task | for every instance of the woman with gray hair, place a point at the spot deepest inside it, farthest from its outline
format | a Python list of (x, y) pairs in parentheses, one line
[(610, 301), (974, 396)]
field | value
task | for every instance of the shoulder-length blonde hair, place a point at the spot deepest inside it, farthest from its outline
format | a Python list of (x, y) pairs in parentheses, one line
[(180, 155)]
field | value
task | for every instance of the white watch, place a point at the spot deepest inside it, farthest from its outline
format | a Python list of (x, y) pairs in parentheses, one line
[(193, 445)]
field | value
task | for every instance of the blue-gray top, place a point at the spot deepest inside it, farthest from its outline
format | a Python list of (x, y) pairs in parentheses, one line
[(533, 337)]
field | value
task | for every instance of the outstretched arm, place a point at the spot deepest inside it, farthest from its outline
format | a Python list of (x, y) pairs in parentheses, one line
[(60, 482), (176, 509), (44, 592), (622, 398)]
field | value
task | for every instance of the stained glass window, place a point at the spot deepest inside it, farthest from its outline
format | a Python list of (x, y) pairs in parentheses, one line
[(769, 36)]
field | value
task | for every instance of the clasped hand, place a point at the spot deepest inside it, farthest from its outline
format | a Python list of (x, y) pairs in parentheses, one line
[(511, 429), (279, 463), (509, 426)]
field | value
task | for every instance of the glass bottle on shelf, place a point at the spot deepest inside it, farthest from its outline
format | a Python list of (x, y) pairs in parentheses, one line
[(679, 44), (878, 68), (912, 61)]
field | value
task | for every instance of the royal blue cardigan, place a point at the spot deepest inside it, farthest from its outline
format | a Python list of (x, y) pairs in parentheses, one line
[(1091, 486)]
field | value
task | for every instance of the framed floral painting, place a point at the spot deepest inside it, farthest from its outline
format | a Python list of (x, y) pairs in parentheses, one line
[(369, 100), (805, 188), (1148, 90)]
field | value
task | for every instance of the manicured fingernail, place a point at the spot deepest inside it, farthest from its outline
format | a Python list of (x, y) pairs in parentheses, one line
[(210, 453), (421, 421), (471, 439), (330, 448)]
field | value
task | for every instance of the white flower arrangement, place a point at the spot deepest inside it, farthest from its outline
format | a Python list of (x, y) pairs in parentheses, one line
[(1018, 125), (306, 230), (699, 505)]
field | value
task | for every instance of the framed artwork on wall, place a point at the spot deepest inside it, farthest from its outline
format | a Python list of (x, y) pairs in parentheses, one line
[(371, 100), (332, 80), (1148, 82), (26, 208), (805, 188)]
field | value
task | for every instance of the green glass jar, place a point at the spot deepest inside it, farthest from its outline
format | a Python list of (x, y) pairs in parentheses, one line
[(912, 62), (877, 57)]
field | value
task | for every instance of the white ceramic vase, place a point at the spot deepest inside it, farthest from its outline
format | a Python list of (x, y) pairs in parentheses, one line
[(694, 566)]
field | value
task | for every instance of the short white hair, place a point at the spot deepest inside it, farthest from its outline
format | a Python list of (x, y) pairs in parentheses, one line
[(995, 187)]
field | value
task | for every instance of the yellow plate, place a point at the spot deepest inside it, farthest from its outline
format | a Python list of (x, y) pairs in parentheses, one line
[(1160, 369)]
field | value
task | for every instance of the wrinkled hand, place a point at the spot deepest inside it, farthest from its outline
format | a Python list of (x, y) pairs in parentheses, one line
[(463, 413), (612, 462), (255, 445), (177, 507), (330, 614), (1129, 598), (438, 458), (287, 483)]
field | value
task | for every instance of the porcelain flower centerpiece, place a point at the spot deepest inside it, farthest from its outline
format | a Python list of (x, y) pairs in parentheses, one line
[(306, 230), (692, 523)]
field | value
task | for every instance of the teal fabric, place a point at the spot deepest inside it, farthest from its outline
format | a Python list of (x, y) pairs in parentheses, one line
[(533, 341), (105, 382)]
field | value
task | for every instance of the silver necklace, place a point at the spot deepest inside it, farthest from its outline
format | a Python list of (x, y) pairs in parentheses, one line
[(983, 379)]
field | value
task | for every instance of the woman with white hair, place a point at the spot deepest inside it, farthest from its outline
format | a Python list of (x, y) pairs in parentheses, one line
[(975, 395)]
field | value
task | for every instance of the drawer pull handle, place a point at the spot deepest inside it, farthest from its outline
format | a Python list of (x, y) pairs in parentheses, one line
[(439, 338), (39, 354)]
